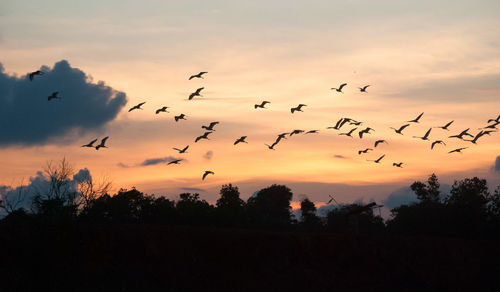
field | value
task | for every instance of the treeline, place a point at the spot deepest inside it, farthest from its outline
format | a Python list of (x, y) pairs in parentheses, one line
[(469, 211)]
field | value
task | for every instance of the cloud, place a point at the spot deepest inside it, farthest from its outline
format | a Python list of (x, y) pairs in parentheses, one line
[(151, 161), (28, 118), (339, 156), (497, 164), (208, 155), (22, 196), (193, 189), (402, 196)]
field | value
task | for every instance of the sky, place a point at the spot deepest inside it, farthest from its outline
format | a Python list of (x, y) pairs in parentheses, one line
[(103, 57)]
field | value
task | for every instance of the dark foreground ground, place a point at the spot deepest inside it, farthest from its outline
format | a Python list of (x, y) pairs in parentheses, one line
[(160, 258)]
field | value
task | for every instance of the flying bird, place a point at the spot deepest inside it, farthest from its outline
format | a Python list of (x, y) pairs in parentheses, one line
[(479, 135), (331, 199), (240, 140), (262, 105), (349, 133), (32, 74), (437, 142), (204, 136), (196, 93), (492, 126), (136, 106), (364, 151), (53, 95), (281, 136), (339, 124), (163, 109), (445, 127), (363, 89), (377, 160), (400, 130), (210, 127), (426, 136), (176, 161), (397, 164), (91, 144), (271, 147), (295, 132), (459, 150), (416, 119), (340, 87), (207, 172), (463, 133), (365, 131), (312, 132), (298, 108), (183, 150), (380, 141), (101, 145), (199, 75), (494, 120), (180, 117)]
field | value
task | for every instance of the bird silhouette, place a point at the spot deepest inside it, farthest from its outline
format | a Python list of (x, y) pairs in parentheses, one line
[(364, 151), (397, 164), (183, 150), (378, 142), (400, 130), (196, 93), (295, 132), (339, 124), (349, 133), (163, 109), (91, 144), (207, 172), (416, 119), (479, 135), (492, 126), (331, 200), (365, 131), (281, 136), (298, 108), (136, 106), (426, 136), (437, 142), (378, 159), (340, 87), (32, 74), (312, 132), (271, 146), (363, 89), (204, 136), (101, 145), (199, 75), (210, 127), (180, 117), (445, 127), (53, 95), (262, 104), (462, 134), (176, 161), (240, 140), (459, 150)]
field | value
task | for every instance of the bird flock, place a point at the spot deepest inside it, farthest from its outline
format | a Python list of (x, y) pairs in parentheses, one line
[(341, 124)]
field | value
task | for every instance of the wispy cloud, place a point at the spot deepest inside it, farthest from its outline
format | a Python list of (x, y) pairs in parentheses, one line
[(151, 161)]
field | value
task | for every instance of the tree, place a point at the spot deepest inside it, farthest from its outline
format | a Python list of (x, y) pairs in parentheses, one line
[(270, 207), (230, 207), (193, 211), (429, 192), (355, 218), (309, 219)]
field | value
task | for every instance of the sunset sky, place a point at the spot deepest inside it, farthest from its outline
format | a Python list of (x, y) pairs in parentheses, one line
[(437, 57)]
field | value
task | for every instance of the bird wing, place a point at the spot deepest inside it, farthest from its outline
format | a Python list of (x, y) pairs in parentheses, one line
[(177, 149), (364, 88), (419, 116), (213, 124), (104, 140), (342, 86), (199, 90)]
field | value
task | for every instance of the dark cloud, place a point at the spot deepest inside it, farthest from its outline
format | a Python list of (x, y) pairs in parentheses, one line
[(208, 155), (339, 156), (28, 118), (402, 196), (497, 164), (192, 189), (151, 161)]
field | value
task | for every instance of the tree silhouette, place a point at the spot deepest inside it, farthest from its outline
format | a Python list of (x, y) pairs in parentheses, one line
[(309, 219), (354, 218), (193, 211), (270, 207), (429, 192), (230, 207)]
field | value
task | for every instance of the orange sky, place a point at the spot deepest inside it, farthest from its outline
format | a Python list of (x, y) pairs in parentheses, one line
[(448, 70)]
